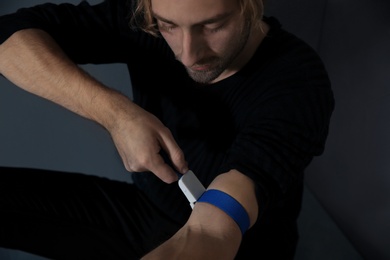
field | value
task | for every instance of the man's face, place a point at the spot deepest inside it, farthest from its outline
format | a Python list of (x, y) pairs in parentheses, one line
[(207, 36)]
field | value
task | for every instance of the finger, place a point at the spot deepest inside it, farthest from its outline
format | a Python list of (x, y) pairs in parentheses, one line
[(176, 155), (162, 170)]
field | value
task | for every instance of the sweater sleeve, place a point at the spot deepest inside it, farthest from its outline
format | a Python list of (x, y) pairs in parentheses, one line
[(285, 127), (87, 33)]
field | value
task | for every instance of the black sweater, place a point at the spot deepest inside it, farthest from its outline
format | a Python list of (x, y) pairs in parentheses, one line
[(268, 120)]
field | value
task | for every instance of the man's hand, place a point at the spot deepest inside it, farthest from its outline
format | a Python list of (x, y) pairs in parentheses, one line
[(140, 137)]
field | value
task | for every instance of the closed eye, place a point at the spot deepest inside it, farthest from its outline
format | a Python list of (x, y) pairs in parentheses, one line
[(166, 27), (214, 28), (212, 25)]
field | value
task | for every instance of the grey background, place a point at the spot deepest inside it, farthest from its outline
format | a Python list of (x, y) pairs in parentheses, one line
[(346, 209)]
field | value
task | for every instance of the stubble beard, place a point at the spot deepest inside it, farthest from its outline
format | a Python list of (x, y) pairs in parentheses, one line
[(220, 64)]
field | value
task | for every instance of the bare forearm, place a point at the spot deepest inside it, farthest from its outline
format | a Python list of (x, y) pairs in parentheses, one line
[(198, 241), (210, 233), (33, 61)]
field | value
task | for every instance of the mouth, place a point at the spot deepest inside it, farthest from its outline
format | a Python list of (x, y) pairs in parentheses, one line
[(201, 67)]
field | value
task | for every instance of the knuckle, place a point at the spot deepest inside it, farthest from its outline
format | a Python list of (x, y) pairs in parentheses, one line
[(143, 162), (133, 167), (166, 130), (177, 155)]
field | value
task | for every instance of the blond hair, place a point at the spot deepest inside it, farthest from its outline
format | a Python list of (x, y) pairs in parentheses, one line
[(143, 19)]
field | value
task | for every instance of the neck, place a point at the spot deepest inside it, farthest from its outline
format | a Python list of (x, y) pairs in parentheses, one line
[(256, 36)]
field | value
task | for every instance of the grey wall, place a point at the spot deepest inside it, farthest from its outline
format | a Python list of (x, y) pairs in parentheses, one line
[(37, 133), (352, 179), (346, 202)]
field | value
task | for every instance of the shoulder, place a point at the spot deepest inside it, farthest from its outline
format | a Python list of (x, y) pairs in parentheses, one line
[(285, 54)]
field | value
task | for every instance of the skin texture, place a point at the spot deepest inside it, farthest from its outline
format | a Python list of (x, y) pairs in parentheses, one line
[(213, 41), (210, 233), (33, 61), (210, 38)]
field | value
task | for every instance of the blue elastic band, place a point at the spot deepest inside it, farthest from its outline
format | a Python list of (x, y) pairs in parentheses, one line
[(229, 205)]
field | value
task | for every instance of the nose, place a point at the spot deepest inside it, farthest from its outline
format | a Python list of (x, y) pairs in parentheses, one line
[(192, 44)]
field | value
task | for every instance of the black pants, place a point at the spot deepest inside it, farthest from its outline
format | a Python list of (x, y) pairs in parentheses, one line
[(74, 216)]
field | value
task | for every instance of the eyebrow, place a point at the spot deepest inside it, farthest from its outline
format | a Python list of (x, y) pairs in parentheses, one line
[(211, 20)]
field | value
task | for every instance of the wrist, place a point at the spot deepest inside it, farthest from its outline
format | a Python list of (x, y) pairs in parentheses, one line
[(111, 108)]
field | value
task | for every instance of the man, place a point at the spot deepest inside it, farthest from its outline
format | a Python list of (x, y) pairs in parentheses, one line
[(218, 89)]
